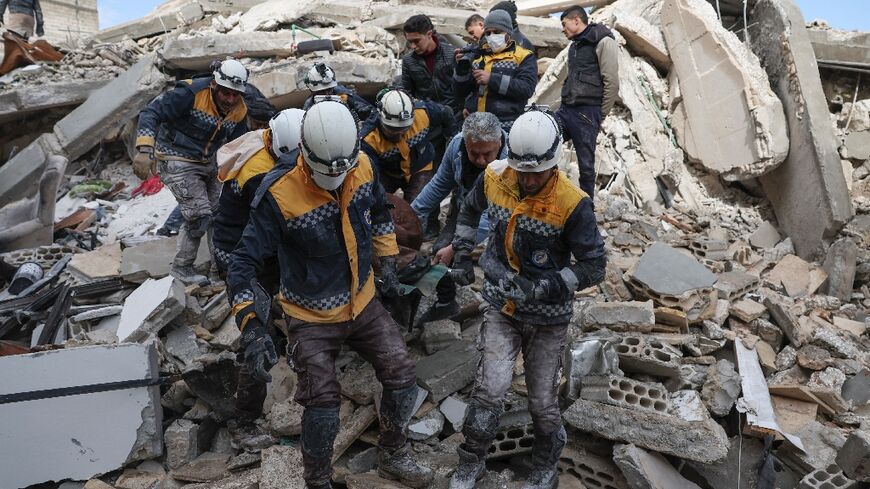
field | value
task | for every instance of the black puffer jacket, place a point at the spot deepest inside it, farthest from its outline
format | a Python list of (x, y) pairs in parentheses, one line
[(436, 86)]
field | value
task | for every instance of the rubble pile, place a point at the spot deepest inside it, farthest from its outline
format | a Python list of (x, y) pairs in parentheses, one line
[(730, 332)]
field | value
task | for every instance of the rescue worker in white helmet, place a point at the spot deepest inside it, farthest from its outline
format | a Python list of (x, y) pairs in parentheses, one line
[(539, 220), (398, 141), (323, 216), (243, 163), (321, 80), (178, 135)]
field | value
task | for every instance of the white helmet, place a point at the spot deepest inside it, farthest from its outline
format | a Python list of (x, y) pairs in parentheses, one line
[(535, 142), (330, 142), (286, 129), (320, 77), (232, 74), (396, 109)]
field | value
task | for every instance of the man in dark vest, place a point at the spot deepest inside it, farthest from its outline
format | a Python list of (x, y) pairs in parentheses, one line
[(590, 89)]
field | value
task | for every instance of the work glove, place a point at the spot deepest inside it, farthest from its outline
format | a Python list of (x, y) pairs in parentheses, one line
[(389, 284), (549, 288), (258, 350), (145, 164), (463, 270)]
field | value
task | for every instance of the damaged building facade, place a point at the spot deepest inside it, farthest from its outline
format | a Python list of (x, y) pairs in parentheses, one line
[(728, 341)]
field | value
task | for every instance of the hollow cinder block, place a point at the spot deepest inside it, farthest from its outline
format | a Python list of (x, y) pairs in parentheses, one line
[(625, 392)]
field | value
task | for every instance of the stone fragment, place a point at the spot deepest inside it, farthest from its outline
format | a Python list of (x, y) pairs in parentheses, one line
[(648, 470), (426, 427), (766, 236), (438, 335), (249, 479), (643, 38), (139, 479), (281, 468), (149, 308), (797, 332), (103, 262), (181, 344), (813, 357), (735, 284), (97, 484), (182, 442), (64, 437), (448, 370), (363, 461), (831, 379), (855, 327), (155, 23), (285, 419), (808, 190), (207, 467), (154, 258), (838, 344), (216, 311), (703, 441), (454, 411), (854, 457), (115, 102), (747, 310), (798, 278), (840, 265), (195, 53), (227, 336), (646, 355), (357, 383), (625, 392), (717, 72), (620, 316), (351, 429), (721, 389), (857, 388)]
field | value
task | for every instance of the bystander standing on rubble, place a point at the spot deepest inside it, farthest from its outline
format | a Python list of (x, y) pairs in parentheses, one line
[(322, 218), (539, 220), (501, 78), (481, 142), (321, 80), (474, 27), (398, 141), (427, 67), (25, 17), (590, 90), (178, 135), (511, 8)]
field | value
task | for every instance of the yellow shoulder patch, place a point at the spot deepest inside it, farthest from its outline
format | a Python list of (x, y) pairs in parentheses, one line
[(260, 163)]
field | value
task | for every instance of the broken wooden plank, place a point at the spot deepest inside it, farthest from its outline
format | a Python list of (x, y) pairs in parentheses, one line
[(793, 414), (801, 393)]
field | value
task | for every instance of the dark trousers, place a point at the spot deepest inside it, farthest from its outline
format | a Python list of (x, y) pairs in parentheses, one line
[(581, 124)]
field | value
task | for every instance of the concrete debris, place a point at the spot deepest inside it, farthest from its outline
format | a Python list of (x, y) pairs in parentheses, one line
[(150, 307), (716, 72), (620, 316), (72, 442), (721, 389), (648, 470), (643, 38), (854, 457), (448, 370), (830, 476), (281, 468), (625, 392)]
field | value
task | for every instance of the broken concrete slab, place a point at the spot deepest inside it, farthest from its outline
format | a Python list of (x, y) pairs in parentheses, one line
[(831, 476), (29, 222), (182, 442), (591, 469), (703, 441), (747, 310), (285, 419), (24, 102), (150, 25), (643, 38), (840, 48), (854, 457), (109, 107), (718, 73), (798, 332), (351, 429), (182, 344), (734, 284), (281, 468), (647, 355), (648, 470), (739, 467), (721, 389), (72, 441), (620, 316), (808, 191), (426, 427), (103, 262), (196, 53), (154, 259), (840, 265), (449, 370), (150, 307), (796, 276), (438, 335), (454, 411), (21, 175), (766, 236)]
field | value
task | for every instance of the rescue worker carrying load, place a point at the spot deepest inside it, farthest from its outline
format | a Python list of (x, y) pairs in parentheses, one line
[(321, 80), (539, 220), (323, 216)]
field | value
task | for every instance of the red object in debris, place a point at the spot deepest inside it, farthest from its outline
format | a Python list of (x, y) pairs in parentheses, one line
[(148, 187)]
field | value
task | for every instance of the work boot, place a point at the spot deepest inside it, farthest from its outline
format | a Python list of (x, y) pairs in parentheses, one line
[(319, 428), (398, 465), (165, 231), (188, 276), (470, 469), (439, 311), (545, 459)]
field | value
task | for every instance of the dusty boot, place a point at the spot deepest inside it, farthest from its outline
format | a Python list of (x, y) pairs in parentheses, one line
[(479, 428), (394, 461), (188, 276), (439, 311), (319, 428), (545, 458), (398, 465), (247, 435), (188, 247)]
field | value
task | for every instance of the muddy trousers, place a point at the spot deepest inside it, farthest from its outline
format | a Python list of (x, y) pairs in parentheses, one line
[(581, 124), (500, 341), (313, 350), (197, 189)]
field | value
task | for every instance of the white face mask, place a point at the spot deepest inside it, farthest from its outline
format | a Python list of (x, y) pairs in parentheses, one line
[(327, 182), (497, 42)]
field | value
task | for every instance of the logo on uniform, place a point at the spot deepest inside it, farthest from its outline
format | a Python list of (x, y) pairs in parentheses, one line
[(540, 257), (368, 217)]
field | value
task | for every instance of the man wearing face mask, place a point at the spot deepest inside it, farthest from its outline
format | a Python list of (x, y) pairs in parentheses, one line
[(178, 135), (503, 78), (397, 140), (324, 217)]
